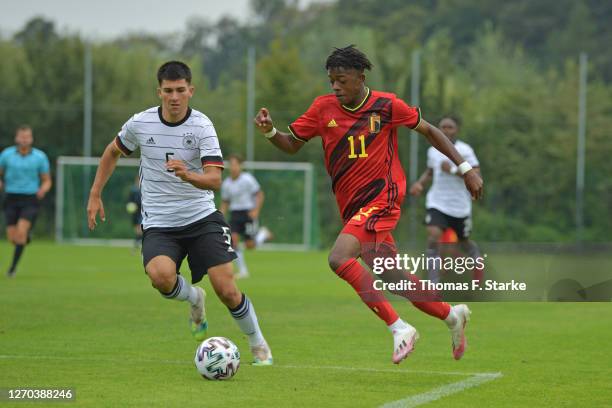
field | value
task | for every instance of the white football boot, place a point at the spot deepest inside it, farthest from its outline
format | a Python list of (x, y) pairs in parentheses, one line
[(459, 342), (262, 355), (403, 343)]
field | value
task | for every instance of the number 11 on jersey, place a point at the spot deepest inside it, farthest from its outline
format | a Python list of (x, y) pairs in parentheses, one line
[(363, 153)]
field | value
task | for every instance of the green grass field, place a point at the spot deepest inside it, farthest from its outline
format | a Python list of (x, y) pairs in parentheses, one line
[(87, 318)]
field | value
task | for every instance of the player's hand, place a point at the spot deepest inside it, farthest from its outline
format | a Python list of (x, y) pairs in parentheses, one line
[(263, 121), (416, 188), (95, 207), (473, 182), (446, 167), (40, 194), (179, 168)]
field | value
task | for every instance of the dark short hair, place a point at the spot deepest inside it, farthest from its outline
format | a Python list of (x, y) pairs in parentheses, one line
[(454, 118), (173, 71), (23, 127), (236, 156), (348, 57)]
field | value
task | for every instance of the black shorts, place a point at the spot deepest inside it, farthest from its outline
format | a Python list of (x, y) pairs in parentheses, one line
[(205, 243), (462, 226), (244, 225), (24, 206)]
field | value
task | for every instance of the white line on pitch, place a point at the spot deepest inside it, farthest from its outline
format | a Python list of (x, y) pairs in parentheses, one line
[(186, 362), (443, 391), (383, 370)]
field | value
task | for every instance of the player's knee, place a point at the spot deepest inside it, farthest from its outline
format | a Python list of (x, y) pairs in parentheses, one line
[(250, 244), (336, 260), (164, 284), (20, 238), (162, 279)]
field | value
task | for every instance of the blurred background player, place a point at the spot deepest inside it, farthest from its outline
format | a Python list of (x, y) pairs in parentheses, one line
[(358, 127), (134, 208), (181, 164), (448, 202), (243, 196), (26, 179)]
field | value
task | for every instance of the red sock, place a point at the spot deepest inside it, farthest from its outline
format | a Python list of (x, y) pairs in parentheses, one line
[(363, 283), (478, 274), (435, 309), (425, 300)]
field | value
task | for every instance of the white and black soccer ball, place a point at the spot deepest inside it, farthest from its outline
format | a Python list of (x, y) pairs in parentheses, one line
[(217, 358)]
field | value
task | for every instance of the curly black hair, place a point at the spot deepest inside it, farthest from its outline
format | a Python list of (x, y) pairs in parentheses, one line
[(348, 57)]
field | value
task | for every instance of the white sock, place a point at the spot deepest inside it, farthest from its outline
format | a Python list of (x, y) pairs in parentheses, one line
[(245, 317), (260, 237), (183, 291), (240, 261), (398, 325), (451, 319)]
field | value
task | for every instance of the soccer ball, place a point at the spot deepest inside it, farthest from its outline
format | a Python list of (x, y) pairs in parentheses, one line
[(217, 358)]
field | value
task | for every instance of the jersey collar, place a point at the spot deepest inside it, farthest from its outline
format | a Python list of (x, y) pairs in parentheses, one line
[(173, 124), (356, 108), (29, 152)]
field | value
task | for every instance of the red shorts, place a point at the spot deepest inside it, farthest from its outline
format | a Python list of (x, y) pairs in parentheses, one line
[(372, 225)]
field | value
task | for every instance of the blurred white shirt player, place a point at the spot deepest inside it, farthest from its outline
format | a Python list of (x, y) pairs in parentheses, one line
[(448, 202), (242, 195)]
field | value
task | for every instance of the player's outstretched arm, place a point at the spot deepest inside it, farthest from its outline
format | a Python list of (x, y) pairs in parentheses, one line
[(107, 165), (283, 141), (447, 167), (471, 178)]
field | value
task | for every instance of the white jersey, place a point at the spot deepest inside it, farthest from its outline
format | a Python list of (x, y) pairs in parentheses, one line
[(448, 193), (168, 201), (240, 192)]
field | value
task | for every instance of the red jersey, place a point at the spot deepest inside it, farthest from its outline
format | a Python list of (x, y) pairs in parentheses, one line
[(360, 147)]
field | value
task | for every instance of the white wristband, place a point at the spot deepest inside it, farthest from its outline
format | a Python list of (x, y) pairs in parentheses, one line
[(270, 134), (464, 168)]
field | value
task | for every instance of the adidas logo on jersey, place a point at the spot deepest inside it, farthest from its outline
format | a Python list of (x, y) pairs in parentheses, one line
[(332, 123), (151, 141)]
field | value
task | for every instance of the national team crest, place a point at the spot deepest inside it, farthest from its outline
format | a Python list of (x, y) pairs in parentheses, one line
[(189, 141), (375, 123)]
